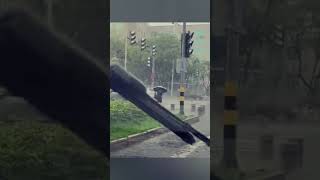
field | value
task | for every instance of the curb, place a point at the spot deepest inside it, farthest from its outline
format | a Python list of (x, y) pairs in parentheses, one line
[(137, 138), (277, 175)]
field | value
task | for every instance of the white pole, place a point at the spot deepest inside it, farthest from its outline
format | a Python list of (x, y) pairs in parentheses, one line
[(125, 52), (172, 72), (153, 70), (183, 58)]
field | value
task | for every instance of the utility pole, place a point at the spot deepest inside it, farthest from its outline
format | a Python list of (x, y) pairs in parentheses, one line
[(183, 62), (172, 71), (172, 76), (152, 72), (198, 87), (233, 30)]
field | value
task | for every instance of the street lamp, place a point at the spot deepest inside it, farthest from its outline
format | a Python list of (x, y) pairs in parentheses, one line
[(153, 53)]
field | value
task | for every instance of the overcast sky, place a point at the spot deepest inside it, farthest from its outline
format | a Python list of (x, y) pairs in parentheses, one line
[(170, 23)]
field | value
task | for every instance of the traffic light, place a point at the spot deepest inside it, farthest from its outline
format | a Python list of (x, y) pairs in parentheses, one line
[(149, 62), (143, 43), (154, 51), (188, 44), (132, 37), (278, 35)]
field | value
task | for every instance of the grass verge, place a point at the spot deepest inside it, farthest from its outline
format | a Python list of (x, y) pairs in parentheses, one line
[(41, 150), (126, 119)]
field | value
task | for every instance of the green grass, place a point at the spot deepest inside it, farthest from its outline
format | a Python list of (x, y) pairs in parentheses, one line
[(38, 150), (120, 130), (126, 119), (34, 150)]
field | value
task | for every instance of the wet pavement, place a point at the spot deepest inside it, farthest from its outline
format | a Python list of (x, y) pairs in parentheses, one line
[(169, 145), (293, 149)]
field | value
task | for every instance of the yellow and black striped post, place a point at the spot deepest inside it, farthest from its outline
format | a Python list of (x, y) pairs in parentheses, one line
[(230, 124), (181, 99)]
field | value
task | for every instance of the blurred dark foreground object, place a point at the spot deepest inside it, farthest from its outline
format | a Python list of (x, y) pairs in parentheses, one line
[(133, 90), (55, 76), (69, 85)]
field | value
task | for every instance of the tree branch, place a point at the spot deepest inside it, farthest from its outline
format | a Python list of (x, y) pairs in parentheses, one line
[(315, 70), (299, 55)]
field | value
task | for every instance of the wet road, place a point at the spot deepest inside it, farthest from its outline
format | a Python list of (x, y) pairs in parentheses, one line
[(299, 162), (169, 145)]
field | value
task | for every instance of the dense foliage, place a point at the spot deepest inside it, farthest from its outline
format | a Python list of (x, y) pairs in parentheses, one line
[(168, 51), (43, 150), (126, 119)]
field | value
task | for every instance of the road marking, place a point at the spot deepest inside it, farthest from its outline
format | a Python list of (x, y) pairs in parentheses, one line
[(188, 150)]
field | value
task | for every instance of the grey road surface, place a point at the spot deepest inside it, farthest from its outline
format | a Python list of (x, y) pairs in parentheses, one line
[(169, 145), (296, 164)]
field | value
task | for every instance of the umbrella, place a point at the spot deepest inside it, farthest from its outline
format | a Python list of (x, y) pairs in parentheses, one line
[(160, 89)]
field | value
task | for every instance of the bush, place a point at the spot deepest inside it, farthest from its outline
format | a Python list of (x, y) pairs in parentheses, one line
[(123, 111), (126, 119), (37, 150)]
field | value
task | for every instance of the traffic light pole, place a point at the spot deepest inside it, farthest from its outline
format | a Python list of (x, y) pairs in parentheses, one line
[(172, 76), (173, 61), (182, 73), (231, 84)]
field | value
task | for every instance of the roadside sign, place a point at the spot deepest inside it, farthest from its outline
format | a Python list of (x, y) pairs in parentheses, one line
[(180, 65)]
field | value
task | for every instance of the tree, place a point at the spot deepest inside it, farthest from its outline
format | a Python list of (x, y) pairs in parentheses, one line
[(261, 20), (116, 50), (193, 67), (168, 50), (204, 74), (308, 67)]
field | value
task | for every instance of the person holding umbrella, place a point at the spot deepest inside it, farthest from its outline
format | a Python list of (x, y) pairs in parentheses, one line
[(158, 91)]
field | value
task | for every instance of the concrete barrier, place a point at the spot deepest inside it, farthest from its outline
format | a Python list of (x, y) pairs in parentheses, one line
[(172, 107), (193, 108), (266, 147), (277, 175), (201, 110), (203, 107), (292, 154)]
